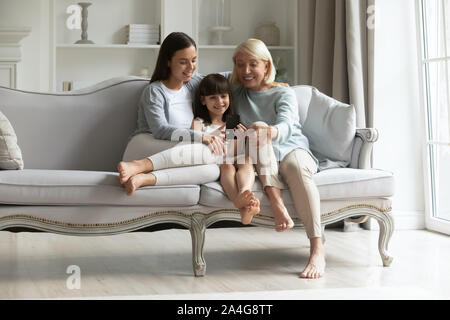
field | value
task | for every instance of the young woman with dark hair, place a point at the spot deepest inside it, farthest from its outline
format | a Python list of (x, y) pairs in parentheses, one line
[(172, 43), (165, 111)]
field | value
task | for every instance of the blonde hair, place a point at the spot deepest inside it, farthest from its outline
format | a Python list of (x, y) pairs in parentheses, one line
[(257, 49)]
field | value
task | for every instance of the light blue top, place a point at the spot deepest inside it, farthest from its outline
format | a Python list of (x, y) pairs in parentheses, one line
[(277, 107)]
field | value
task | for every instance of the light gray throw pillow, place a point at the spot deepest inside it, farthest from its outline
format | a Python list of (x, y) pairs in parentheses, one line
[(330, 126), (10, 154)]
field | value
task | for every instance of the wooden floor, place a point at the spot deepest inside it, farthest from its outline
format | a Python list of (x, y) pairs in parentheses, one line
[(34, 265)]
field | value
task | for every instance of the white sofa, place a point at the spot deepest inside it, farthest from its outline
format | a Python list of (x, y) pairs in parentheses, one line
[(71, 144)]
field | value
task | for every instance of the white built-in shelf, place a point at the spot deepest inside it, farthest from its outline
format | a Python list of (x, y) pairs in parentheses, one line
[(109, 46), (232, 47), (111, 57), (156, 46)]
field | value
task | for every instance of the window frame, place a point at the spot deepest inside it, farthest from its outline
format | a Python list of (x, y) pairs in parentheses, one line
[(432, 221)]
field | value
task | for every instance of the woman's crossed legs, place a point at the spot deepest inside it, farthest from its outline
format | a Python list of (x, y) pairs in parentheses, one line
[(149, 171)]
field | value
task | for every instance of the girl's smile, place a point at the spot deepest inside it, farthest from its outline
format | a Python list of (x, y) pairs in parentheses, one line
[(217, 104)]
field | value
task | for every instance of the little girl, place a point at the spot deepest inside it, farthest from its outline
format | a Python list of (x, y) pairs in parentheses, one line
[(237, 178)]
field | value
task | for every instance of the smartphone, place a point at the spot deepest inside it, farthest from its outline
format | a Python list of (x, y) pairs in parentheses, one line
[(232, 121)]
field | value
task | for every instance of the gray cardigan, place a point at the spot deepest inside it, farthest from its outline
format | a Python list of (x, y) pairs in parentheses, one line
[(153, 110)]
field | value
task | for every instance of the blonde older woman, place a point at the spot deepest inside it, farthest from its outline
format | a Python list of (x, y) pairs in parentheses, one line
[(272, 112)]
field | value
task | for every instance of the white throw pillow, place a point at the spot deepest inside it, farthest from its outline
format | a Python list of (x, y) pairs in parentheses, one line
[(10, 154), (330, 126)]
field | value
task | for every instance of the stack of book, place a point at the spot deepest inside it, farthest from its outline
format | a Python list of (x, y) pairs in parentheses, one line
[(143, 34), (70, 85)]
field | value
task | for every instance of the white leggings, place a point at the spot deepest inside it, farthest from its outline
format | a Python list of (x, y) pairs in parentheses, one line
[(197, 156), (142, 145), (183, 155)]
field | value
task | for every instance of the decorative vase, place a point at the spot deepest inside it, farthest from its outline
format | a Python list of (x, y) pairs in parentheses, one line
[(269, 34), (222, 21), (84, 24), (144, 73), (217, 34)]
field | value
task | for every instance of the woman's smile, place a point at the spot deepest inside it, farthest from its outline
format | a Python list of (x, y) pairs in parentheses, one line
[(216, 103), (250, 71), (219, 107)]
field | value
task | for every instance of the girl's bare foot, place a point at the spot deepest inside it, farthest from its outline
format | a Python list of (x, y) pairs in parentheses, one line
[(139, 180), (248, 205), (249, 211), (128, 169), (282, 218), (316, 265), (243, 199)]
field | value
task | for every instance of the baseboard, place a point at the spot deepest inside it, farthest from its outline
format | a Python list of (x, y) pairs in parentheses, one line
[(403, 220)]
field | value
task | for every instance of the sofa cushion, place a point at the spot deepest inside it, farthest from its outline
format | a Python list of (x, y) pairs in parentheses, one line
[(330, 127), (65, 187), (10, 154), (303, 94), (333, 184)]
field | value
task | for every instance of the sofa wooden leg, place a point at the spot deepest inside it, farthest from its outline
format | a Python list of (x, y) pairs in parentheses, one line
[(198, 230), (386, 223)]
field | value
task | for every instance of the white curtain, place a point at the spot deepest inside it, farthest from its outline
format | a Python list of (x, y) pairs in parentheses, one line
[(336, 51)]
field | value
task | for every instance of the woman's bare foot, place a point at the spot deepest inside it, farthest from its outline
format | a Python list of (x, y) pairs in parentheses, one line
[(283, 220), (281, 216), (248, 212), (128, 169), (316, 265), (139, 180)]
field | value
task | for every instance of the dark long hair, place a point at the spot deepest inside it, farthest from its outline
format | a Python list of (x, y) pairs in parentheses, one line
[(213, 83), (171, 44)]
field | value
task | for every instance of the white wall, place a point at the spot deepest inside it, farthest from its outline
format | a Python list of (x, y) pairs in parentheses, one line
[(33, 70), (398, 114)]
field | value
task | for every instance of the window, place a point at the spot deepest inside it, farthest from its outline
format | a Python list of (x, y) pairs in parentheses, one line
[(434, 33)]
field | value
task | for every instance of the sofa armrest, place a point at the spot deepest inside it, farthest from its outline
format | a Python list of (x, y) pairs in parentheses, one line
[(361, 156), (362, 148)]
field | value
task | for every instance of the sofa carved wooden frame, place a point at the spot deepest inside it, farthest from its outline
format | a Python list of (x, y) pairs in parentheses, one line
[(197, 222)]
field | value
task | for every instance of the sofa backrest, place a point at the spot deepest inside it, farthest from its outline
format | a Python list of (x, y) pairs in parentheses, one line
[(80, 130), (87, 129)]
